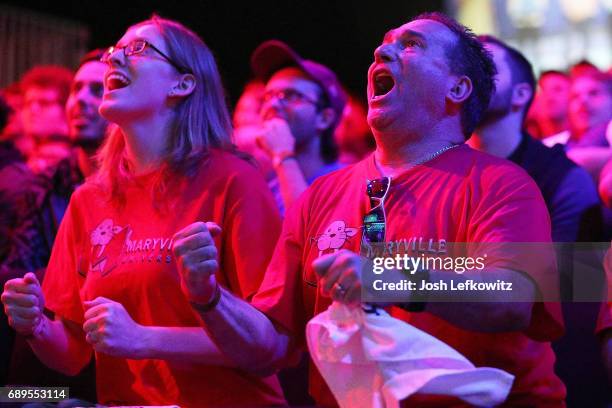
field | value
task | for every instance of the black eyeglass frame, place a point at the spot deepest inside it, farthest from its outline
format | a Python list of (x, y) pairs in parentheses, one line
[(110, 50), (296, 95)]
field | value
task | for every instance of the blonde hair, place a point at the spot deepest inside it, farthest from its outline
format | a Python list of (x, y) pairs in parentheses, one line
[(202, 120)]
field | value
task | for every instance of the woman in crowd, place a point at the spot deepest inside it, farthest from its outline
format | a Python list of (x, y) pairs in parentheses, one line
[(173, 205)]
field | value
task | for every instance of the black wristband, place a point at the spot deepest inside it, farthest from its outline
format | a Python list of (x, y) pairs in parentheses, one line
[(200, 308), (418, 298)]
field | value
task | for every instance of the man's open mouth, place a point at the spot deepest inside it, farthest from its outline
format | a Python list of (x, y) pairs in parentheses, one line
[(383, 84)]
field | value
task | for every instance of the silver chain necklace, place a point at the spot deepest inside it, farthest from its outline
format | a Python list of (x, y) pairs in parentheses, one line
[(434, 155), (425, 160)]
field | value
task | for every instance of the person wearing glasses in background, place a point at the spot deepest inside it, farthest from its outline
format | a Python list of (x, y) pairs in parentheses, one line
[(173, 205), (302, 106), (45, 139), (428, 87)]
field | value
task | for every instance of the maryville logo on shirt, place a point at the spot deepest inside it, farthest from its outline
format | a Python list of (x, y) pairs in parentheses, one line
[(149, 249), (334, 237), (112, 244)]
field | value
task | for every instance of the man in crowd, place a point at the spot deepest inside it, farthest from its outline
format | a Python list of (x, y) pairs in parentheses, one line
[(589, 137), (302, 105), (45, 91), (428, 87), (86, 127), (551, 104), (569, 192), (571, 198)]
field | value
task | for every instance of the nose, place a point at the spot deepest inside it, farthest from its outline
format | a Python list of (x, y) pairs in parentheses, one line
[(116, 57), (384, 53), (271, 106)]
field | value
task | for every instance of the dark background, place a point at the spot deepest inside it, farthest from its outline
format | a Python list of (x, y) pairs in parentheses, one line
[(338, 33)]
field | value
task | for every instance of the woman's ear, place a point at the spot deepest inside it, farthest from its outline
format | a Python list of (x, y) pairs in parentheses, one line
[(184, 87)]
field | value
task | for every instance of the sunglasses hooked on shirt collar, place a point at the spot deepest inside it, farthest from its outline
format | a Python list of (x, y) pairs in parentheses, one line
[(374, 222)]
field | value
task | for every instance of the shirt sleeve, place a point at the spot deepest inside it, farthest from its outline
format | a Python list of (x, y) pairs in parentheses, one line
[(511, 225), (250, 231), (63, 278)]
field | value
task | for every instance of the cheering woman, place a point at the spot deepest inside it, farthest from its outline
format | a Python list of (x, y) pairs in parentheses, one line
[(174, 220)]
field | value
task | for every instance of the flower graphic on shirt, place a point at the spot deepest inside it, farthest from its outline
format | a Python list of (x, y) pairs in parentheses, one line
[(103, 234), (334, 237), (100, 238)]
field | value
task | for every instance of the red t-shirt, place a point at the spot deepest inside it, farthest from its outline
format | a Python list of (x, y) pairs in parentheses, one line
[(124, 254), (461, 196)]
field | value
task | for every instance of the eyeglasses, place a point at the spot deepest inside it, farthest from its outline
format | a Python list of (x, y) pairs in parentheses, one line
[(136, 47), (374, 222), (288, 96)]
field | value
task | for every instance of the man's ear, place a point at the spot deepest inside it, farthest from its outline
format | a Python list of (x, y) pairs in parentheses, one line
[(461, 90), (325, 118), (184, 87), (521, 94)]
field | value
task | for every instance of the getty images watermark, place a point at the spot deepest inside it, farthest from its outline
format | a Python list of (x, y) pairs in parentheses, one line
[(410, 265), (491, 271)]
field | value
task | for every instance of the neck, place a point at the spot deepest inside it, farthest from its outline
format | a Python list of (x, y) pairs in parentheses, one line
[(86, 161), (145, 142), (499, 137), (397, 153), (309, 157)]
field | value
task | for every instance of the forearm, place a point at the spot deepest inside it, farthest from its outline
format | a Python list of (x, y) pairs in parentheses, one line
[(496, 310), (59, 347), (180, 344), (291, 181), (245, 335)]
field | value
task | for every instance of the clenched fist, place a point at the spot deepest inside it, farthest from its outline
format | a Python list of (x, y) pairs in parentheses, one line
[(340, 275), (24, 303), (110, 329), (196, 256), (276, 138)]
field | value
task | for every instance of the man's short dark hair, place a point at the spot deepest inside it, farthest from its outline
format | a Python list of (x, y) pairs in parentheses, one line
[(92, 56), (468, 57), (551, 72), (520, 67)]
